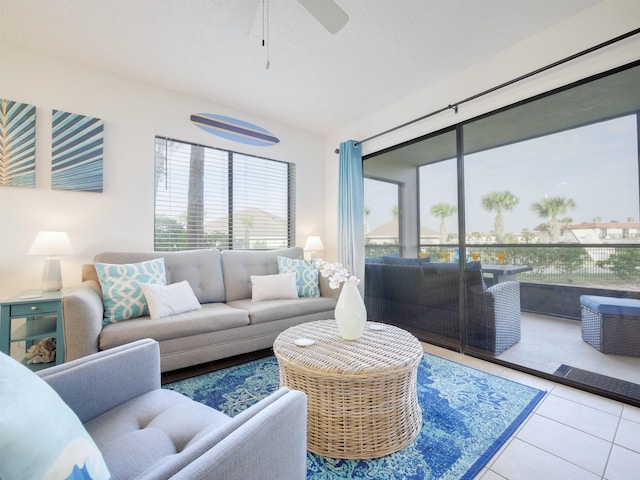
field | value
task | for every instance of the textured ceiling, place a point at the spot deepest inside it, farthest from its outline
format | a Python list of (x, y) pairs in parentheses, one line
[(319, 82)]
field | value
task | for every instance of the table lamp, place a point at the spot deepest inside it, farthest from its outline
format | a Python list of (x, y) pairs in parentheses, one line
[(52, 244), (312, 246)]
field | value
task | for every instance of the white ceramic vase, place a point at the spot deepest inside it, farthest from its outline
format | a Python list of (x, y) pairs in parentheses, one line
[(351, 314)]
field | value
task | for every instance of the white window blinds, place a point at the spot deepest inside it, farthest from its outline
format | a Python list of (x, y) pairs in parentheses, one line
[(206, 197)]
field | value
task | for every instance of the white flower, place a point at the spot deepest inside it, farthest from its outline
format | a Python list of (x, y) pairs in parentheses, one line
[(336, 273)]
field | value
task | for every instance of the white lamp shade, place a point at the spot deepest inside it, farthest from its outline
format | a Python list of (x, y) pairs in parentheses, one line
[(51, 244), (313, 243)]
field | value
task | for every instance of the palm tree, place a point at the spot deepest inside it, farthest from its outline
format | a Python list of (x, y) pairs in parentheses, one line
[(195, 198), (564, 224), (475, 237), (498, 202), (527, 235), (367, 212), (442, 211), (550, 208), (247, 223)]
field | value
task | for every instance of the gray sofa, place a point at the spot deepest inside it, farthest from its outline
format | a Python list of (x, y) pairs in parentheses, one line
[(146, 432), (228, 324)]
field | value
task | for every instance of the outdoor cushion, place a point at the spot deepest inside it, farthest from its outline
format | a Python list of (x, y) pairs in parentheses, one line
[(624, 307)]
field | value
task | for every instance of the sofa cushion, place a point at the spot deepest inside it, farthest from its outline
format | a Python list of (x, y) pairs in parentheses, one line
[(138, 434), (273, 287), (165, 300), (41, 437), (211, 318), (122, 287), (239, 265), (201, 268), (306, 275), (261, 312)]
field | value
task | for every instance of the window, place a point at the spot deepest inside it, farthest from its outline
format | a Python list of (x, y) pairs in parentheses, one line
[(206, 197), (382, 217)]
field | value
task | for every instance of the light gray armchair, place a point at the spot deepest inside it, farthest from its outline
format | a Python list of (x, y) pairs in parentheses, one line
[(146, 432)]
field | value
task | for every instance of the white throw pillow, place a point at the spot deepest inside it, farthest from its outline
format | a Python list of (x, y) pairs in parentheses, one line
[(273, 287), (165, 300)]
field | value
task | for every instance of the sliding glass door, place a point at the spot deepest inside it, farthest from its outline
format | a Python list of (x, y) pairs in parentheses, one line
[(498, 242), (551, 192)]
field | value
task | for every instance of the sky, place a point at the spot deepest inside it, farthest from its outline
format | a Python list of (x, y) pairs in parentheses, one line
[(596, 166)]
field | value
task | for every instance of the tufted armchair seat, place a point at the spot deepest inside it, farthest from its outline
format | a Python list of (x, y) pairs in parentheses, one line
[(146, 432)]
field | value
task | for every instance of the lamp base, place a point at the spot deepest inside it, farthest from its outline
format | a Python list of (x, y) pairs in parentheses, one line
[(52, 275)]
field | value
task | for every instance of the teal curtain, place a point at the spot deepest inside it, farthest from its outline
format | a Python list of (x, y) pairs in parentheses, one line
[(351, 209)]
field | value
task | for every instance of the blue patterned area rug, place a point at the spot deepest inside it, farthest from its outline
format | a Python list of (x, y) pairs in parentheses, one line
[(466, 417)]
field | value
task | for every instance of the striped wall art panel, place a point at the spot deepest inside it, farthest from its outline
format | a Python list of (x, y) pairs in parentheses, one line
[(17, 144), (77, 151)]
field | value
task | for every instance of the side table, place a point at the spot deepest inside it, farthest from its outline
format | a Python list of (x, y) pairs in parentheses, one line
[(42, 315)]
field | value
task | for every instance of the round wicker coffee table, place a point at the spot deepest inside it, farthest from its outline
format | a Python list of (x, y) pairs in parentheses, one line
[(362, 400)]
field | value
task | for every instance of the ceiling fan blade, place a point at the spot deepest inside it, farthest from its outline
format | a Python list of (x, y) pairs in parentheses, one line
[(330, 15), (244, 11)]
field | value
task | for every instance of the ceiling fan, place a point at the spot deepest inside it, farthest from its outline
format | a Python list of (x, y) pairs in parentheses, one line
[(326, 12)]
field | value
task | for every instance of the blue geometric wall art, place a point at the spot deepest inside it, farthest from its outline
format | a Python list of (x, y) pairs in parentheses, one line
[(17, 144), (234, 129), (77, 153)]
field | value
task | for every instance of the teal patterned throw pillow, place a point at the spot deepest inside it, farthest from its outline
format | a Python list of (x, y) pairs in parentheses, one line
[(306, 275), (121, 284)]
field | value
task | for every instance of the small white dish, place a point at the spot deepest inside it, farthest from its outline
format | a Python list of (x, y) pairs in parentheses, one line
[(304, 342), (376, 326)]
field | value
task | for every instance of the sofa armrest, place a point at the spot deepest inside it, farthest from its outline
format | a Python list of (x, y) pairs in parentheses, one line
[(326, 290), (82, 313), (266, 441), (97, 383)]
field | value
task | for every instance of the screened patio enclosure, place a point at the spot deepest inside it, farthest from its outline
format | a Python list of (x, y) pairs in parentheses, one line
[(513, 214)]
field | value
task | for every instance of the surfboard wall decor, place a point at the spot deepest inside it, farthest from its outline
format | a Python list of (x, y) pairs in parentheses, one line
[(234, 129)]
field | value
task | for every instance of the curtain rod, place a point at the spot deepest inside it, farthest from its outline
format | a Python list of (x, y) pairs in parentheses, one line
[(454, 106)]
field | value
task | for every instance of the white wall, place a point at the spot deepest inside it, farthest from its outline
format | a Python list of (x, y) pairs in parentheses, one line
[(598, 24), (120, 218)]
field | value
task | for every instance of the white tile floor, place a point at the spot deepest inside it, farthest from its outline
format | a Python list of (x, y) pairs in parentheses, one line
[(571, 435)]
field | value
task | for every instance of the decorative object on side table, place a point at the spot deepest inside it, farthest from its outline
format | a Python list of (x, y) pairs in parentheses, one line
[(313, 247), (52, 244), (350, 312), (42, 352)]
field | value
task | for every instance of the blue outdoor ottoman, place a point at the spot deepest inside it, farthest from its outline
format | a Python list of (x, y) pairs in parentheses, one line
[(612, 325)]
